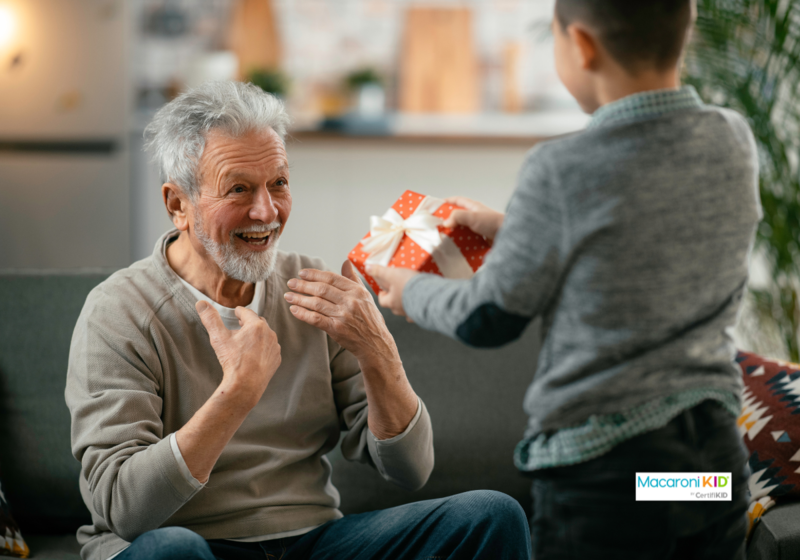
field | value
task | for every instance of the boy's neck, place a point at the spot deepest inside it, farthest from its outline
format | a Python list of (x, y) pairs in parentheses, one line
[(623, 84)]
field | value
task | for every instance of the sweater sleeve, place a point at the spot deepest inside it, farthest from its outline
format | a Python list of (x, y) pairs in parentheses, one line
[(113, 385), (405, 460), (520, 274)]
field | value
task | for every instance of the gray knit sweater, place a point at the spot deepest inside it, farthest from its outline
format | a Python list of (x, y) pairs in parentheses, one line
[(631, 240), (141, 365)]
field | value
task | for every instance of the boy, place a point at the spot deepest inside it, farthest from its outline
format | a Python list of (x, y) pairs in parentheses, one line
[(631, 241)]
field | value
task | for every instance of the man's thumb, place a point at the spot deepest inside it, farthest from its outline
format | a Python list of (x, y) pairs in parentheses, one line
[(349, 271), (210, 318)]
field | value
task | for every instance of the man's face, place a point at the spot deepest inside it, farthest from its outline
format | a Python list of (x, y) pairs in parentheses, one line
[(244, 202)]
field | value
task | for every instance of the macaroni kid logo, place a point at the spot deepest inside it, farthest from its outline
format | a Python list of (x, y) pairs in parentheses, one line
[(683, 487)]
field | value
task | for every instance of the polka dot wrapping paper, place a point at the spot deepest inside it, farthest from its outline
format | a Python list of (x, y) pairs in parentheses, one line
[(410, 255)]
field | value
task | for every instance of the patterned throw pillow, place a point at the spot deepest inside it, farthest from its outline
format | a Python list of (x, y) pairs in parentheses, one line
[(11, 541), (770, 426)]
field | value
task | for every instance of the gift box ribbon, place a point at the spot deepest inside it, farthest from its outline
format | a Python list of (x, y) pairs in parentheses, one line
[(387, 231)]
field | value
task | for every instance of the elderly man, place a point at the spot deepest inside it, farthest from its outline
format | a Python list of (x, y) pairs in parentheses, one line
[(207, 382)]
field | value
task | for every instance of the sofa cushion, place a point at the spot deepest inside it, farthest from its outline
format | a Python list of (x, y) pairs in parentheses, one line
[(770, 426), (37, 317), (54, 547)]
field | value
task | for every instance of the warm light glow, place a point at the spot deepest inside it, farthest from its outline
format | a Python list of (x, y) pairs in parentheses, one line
[(7, 25)]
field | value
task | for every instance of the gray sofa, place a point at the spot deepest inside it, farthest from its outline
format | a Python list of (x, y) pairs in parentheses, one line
[(474, 398)]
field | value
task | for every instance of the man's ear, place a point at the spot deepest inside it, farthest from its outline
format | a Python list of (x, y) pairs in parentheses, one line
[(177, 205), (585, 44)]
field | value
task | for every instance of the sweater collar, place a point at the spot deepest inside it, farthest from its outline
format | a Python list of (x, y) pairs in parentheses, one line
[(646, 105)]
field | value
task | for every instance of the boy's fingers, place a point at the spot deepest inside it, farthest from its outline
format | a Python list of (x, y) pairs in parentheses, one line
[(378, 273), (210, 318), (467, 203), (457, 218)]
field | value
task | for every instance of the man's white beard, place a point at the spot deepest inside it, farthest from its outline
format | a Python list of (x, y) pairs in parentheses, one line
[(250, 267)]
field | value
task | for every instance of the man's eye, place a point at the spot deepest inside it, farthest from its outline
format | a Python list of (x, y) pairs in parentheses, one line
[(281, 183), (238, 189)]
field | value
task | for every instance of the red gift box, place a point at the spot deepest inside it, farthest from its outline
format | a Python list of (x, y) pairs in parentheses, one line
[(410, 235)]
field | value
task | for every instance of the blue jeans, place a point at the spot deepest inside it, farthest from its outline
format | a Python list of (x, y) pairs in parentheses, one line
[(480, 524), (589, 510)]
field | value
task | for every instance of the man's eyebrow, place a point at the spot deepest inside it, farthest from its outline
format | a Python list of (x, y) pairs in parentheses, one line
[(245, 175)]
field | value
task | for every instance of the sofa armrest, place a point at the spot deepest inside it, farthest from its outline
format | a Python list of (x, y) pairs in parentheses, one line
[(777, 535)]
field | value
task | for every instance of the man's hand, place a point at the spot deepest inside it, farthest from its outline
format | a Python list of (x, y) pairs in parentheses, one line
[(392, 281), (249, 357), (478, 217), (342, 307)]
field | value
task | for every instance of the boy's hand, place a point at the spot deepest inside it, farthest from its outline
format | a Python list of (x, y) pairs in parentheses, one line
[(392, 281), (478, 217)]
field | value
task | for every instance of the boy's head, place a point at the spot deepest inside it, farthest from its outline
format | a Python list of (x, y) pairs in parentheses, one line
[(621, 40)]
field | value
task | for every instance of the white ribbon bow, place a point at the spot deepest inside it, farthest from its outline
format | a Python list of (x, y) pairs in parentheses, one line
[(387, 232)]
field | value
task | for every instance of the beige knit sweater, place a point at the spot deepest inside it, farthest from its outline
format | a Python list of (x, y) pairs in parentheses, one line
[(141, 365)]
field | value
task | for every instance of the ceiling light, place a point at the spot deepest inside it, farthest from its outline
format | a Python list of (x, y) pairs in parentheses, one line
[(7, 25)]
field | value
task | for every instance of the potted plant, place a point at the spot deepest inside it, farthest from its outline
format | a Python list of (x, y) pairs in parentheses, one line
[(272, 81), (745, 55), (366, 84)]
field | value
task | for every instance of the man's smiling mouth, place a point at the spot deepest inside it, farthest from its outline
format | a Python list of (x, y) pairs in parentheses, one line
[(256, 238)]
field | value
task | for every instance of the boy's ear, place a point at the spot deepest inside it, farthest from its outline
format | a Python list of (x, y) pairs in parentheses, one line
[(177, 205), (586, 46)]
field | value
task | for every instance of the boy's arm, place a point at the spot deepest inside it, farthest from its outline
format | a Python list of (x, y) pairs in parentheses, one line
[(518, 280)]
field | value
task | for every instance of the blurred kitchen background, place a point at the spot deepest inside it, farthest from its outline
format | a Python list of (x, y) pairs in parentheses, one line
[(439, 97)]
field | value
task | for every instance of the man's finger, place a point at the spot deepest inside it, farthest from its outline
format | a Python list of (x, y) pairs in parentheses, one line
[(211, 319), (311, 317), (326, 277), (319, 289), (246, 315)]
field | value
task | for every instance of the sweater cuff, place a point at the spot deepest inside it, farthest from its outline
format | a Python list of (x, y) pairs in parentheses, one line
[(406, 459), (415, 297), (410, 427), (182, 466)]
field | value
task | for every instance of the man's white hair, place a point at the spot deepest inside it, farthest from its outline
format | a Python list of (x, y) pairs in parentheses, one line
[(176, 136)]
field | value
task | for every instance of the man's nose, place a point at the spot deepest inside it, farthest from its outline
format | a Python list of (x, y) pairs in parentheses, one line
[(263, 208)]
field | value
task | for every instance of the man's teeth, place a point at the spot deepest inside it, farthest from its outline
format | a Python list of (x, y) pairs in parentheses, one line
[(256, 234)]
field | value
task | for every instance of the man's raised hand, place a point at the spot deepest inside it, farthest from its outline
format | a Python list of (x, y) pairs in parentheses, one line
[(341, 306), (249, 357)]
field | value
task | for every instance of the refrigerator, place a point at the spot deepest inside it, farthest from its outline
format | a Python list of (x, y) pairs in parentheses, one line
[(64, 157)]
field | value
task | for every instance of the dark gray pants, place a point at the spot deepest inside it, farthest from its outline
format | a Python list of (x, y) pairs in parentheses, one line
[(589, 510)]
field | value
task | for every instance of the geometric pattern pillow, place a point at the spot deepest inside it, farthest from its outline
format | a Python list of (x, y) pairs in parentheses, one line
[(11, 541), (770, 426)]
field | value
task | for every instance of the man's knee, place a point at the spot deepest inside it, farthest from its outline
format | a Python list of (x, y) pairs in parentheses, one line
[(170, 542), (480, 507)]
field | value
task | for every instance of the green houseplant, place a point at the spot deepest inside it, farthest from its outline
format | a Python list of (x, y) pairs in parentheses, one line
[(745, 54), (270, 80)]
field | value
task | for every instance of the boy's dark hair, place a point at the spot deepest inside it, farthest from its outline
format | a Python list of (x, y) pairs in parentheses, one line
[(639, 34)]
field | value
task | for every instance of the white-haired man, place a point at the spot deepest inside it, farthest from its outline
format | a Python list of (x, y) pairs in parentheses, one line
[(207, 382)]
